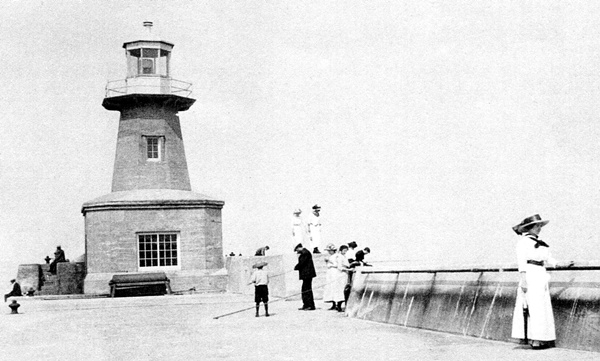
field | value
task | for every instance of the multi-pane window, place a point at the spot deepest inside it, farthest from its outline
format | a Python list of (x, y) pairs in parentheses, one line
[(153, 148), (158, 250)]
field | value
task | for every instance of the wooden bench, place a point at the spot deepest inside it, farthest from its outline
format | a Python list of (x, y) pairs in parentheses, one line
[(140, 282)]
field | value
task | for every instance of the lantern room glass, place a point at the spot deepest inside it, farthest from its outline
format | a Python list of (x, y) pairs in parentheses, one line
[(148, 62)]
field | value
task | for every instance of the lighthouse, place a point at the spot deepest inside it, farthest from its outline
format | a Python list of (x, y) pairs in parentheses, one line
[(152, 220)]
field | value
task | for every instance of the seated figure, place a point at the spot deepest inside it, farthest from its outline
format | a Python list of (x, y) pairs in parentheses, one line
[(16, 290), (59, 256)]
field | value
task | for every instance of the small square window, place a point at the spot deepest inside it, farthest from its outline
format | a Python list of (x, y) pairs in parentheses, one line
[(153, 148)]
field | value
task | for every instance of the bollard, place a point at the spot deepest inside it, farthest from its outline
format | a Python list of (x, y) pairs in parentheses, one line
[(14, 306)]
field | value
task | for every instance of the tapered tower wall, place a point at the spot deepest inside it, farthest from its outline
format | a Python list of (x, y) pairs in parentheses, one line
[(133, 169)]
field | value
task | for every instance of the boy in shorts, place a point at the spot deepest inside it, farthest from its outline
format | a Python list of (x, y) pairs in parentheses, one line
[(260, 278)]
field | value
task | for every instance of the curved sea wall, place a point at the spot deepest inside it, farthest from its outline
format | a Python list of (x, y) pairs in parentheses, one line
[(477, 302)]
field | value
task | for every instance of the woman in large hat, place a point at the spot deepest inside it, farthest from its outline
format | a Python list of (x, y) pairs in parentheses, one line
[(533, 319), (330, 276), (336, 277)]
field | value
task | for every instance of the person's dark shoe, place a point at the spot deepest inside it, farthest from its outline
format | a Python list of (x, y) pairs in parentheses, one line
[(310, 309), (303, 308), (332, 308), (267, 315), (542, 345), (316, 250), (536, 345), (257, 315)]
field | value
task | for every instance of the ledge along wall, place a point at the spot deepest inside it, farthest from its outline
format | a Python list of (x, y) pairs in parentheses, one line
[(477, 302)]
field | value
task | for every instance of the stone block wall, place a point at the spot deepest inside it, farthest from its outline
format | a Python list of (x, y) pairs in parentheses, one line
[(70, 277), (111, 237), (112, 246), (30, 276)]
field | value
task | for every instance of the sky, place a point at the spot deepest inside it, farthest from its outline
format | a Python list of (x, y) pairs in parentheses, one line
[(424, 129)]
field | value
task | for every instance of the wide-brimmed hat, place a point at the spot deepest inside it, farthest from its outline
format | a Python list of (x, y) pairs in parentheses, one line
[(529, 221), (316, 206), (260, 264), (299, 245), (330, 247), (297, 211)]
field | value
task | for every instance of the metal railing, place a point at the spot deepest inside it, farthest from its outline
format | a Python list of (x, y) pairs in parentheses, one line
[(577, 266), (148, 85)]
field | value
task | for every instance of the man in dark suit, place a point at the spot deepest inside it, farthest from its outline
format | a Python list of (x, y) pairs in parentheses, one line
[(59, 256), (306, 270), (262, 251), (359, 258), (16, 290)]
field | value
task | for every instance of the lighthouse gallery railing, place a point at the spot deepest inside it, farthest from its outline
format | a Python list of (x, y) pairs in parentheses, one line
[(148, 85)]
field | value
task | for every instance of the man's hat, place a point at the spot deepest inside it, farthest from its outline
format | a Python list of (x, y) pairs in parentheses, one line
[(316, 206), (352, 244), (330, 247), (260, 264), (299, 245), (529, 221), (13, 280)]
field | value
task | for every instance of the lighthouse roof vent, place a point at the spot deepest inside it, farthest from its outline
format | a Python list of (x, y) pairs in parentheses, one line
[(148, 36)]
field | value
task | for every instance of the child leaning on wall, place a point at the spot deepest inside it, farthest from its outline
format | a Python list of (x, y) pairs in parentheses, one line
[(260, 278)]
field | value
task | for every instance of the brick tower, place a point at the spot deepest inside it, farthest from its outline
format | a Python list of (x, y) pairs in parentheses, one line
[(152, 221)]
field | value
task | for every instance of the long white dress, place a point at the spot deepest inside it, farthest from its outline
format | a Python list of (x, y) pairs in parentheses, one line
[(298, 230), (314, 225), (335, 278), (540, 324)]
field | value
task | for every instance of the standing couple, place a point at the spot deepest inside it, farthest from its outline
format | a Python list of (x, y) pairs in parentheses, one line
[(310, 229)]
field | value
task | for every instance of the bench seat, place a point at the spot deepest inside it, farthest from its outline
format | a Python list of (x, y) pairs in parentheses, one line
[(140, 281)]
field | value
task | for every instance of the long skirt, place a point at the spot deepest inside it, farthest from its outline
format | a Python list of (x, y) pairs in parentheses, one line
[(335, 281), (299, 235), (540, 323)]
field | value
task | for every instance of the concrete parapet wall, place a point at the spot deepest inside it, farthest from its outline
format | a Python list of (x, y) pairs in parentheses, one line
[(283, 281), (70, 277), (477, 302), (29, 276)]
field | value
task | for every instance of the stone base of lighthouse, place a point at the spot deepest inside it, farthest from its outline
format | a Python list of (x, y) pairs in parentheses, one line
[(154, 230)]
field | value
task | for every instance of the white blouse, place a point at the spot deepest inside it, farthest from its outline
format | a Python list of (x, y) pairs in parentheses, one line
[(526, 250)]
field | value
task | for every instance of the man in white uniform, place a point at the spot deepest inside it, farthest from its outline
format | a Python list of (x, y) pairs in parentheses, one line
[(314, 228)]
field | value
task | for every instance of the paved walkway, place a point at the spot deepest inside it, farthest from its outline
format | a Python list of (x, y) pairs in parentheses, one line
[(184, 328)]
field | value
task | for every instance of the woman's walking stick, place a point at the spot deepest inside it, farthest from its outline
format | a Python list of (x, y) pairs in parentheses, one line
[(525, 317)]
